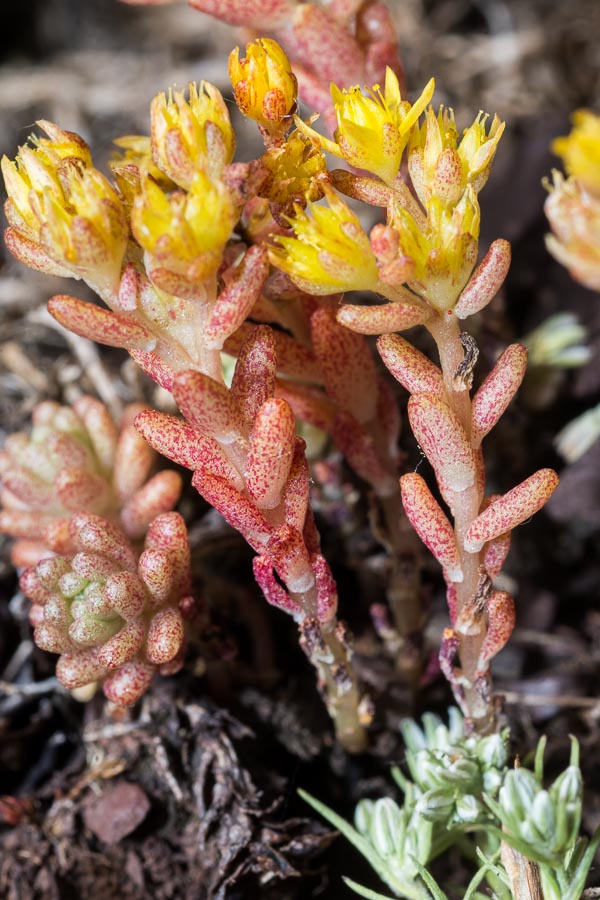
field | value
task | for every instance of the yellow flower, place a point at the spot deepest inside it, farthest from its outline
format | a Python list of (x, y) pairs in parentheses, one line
[(330, 252), (444, 251), (188, 135), (580, 150), (441, 166), (64, 207), (185, 232), (373, 130), (264, 86), (293, 171), (574, 215)]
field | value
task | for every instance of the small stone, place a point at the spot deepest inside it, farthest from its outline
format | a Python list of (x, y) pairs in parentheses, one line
[(117, 812)]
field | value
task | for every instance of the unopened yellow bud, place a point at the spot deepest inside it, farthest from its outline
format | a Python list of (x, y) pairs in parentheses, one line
[(191, 134), (185, 232), (264, 86), (580, 150), (330, 252), (373, 129)]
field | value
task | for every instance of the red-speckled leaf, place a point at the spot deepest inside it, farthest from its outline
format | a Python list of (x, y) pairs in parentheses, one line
[(511, 509), (79, 490), (347, 365), (237, 299), (297, 488), (75, 670), (293, 358), (168, 532), (443, 441), (496, 392), (129, 683), (123, 646), (430, 523), (240, 512), (155, 367), (326, 46), (165, 636), (289, 555), (208, 405), (177, 440), (101, 536), (159, 495), (97, 324), (33, 255), (126, 594), (361, 454), (254, 377), (133, 461), (361, 187), (273, 592), (409, 366), (500, 610), (101, 429), (485, 281), (270, 453), (309, 404), (327, 595), (383, 318), (263, 15)]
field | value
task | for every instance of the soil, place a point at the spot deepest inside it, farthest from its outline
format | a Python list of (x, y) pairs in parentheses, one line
[(192, 794)]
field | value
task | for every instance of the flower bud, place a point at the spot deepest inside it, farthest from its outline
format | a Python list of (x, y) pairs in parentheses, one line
[(264, 85), (387, 826), (436, 805)]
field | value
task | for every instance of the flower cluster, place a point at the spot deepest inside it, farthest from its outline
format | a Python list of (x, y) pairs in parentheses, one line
[(573, 207), (114, 617)]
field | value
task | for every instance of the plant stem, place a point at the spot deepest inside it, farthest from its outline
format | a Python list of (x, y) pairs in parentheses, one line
[(475, 686)]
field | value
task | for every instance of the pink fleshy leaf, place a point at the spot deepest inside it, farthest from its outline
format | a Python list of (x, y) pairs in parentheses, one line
[(361, 187), (240, 512), (156, 569), (443, 440), (101, 536), (79, 490), (21, 524), (208, 405), (33, 255), (122, 646), (99, 325), (383, 318), (126, 594), (28, 488), (293, 358), (287, 550), (78, 669), (260, 14), (274, 593), (347, 364), (237, 299), (496, 392), (57, 537), (297, 487), (496, 551), (327, 595), (183, 444), (308, 403), (129, 288), (254, 376), (270, 453), (155, 367), (165, 636), (159, 495), (452, 601), (133, 461), (33, 588), (430, 523), (511, 509), (501, 616), (485, 281), (129, 683), (168, 533), (409, 366), (323, 44), (361, 454), (101, 429)]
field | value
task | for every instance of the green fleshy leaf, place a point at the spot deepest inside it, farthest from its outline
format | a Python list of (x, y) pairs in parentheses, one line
[(365, 891), (538, 766), (434, 888)]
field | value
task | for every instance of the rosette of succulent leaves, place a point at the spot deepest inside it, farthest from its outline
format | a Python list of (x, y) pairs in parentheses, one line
[(195, 254), (460, 792)]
